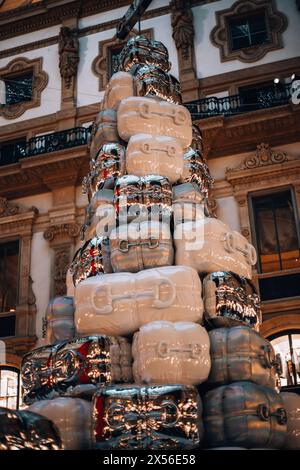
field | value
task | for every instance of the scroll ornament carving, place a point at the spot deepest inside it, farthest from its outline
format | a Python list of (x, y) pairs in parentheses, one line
[(61, 266), (68, 47), (182, 24), (72, 230), (263, 156), (7, 208)]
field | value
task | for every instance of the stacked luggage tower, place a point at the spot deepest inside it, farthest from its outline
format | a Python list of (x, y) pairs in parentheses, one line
[(156, 344)]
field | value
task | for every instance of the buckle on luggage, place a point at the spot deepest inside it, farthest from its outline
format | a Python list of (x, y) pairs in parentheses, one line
[(164, 350), (263, 412), (281, 416), (124, 246), (158, 303), (153, 243)]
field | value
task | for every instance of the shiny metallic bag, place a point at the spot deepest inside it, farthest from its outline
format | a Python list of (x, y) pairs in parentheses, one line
[(50, 371), (143, 245), (120, 303), (100, 215), (60, 319), (147, 417), (153, 81), (24, 430), (141, 50), (91, 259), (240, 353), (136, 197), (171, 353), (144, 115), (230, 300), (244, 414), (108, 164), (36, 371), (160, 153), (104, 131), (195, 170), (188, 203)]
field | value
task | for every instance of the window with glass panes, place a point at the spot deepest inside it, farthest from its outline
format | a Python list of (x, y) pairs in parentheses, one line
[(18, 89), (9, 283), (287, 346), (276, 231), (248, 31), (9, 387)]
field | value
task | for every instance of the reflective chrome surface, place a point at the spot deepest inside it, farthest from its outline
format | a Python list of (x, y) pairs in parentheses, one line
[(152, 81), (50, 371), (230, 299), (240, 353), (142, 196), (244, 414), (91, 259), (23, 430), (154, 417), (141, 50), (60, 319)]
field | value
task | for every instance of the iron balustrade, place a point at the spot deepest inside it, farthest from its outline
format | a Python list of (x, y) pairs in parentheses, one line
[(278, 95), (12, 152)]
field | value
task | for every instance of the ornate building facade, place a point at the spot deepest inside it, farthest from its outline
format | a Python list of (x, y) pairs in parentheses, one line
[(239, 67)]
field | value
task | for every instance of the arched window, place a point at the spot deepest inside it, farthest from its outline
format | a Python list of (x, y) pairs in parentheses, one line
[(9, 387), (287, 345)]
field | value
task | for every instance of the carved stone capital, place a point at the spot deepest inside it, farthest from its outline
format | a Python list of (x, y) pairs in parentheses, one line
[(70, 229), (7, 208)]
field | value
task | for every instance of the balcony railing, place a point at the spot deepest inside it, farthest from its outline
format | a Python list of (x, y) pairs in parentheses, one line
[(12, 152), (238, 104)]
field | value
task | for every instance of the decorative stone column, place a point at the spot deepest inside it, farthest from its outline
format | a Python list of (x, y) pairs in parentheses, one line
[(61, 238), (68, 48), (183, 35)]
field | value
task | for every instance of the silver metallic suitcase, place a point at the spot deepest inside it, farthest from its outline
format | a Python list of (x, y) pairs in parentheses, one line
[(230, 300), (143, 197), (24, 430), (160, 417), (244, 414), (139, 246), (91, 259), (240, 353), (50, 371)]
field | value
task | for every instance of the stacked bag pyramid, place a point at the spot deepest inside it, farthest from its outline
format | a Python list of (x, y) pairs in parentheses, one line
[(129, 363)]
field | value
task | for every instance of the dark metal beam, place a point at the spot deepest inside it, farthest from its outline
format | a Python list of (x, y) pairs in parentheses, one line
[(131, 17)]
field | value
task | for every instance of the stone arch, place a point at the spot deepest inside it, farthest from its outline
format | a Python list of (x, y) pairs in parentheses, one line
[(280, 324)]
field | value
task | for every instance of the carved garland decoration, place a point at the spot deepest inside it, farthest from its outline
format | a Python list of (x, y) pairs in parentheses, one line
[(276, 23), (40, 80), (101, 65), (264, 156)]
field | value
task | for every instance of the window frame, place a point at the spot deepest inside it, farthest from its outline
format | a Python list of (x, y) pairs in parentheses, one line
[(266, 192), (289, 334), (14, 77), (18, 372), (229, 20)]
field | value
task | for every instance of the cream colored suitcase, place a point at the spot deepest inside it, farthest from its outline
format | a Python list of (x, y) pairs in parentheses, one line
[(104, 131), (120, 303), (160, 154), (209, 245), (72, 417), (120, 86), (166, 352), (100, 217), (143, 245), (150, 116), (188, 203), (291, 402)]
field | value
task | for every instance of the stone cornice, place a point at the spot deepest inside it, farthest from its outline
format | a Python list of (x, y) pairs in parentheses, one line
[(49, 13)]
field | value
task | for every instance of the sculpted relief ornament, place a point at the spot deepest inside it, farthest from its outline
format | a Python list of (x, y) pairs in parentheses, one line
[(263, 156), (68, 46), (182, 24)]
